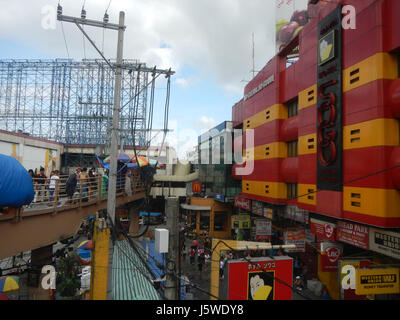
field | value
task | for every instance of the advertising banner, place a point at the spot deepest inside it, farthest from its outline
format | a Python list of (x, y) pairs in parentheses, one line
[(377, 281), (298, 238), (257, 208), (241, 222), (385, 242), (323, 229), (242, 202), (263, 229), (257, 280), (329, 116), (290, 17), (347, 278), (331, 253), (268, 213), (354, 234), (296, 214)]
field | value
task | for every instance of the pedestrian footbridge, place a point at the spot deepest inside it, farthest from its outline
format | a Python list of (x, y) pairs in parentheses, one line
[(45, 222)]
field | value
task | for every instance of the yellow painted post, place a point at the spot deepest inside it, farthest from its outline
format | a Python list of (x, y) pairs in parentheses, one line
[(99, 271)]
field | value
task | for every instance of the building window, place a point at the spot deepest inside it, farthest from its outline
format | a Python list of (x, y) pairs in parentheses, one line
[(293, 108), (220, 219), (205, 221), (292, 149), (292, 191)]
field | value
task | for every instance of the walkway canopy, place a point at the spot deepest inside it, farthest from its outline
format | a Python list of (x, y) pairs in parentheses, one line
[(195, 208)]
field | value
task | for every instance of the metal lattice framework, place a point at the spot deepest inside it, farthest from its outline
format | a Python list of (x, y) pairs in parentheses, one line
[(72, 101)]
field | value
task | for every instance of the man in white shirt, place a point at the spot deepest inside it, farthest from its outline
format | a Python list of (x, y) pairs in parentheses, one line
[(53, 186)]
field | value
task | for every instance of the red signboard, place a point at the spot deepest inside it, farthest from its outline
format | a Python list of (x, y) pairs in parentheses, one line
[(196, 187), (354, 234), (323, 229), (247, 282), (331, 254), (242, 202)]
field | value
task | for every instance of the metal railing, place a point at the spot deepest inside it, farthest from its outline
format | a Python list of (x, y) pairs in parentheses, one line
[(88, 190)]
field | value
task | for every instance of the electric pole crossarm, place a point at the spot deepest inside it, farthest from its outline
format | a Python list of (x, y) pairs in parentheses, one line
[(89, 22), (93, 44)]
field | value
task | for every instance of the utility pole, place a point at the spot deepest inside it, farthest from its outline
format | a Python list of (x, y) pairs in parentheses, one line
[(172, 261), (112, 179)]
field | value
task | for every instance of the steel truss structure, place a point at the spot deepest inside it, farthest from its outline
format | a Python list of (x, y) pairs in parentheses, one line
[(72, 101)]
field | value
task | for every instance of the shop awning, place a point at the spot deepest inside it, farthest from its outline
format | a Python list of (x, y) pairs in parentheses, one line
[(195, 208), (131, 277)]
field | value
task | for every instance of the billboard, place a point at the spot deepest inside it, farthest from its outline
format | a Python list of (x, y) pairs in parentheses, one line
[(385, 242), (354, 234), (291, 17), (258, 280), (331, 253), (323, 229), (296, 237), (263, 229), (377, 281)]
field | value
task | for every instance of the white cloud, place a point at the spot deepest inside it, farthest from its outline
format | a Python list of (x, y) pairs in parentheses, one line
[(214, 37), (204, 123)]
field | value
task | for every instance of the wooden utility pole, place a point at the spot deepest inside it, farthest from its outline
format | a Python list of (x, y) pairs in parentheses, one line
[(172, 261)]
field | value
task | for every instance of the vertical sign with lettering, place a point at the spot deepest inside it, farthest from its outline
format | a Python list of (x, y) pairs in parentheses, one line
[(329, 112)]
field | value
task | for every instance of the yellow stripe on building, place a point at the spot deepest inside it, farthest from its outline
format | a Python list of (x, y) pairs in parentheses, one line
[(275, 112), (307, 144), (267, 151), (384, 203), (379, 66), (275, 190), (308, 97), (378, 132), (307, 193)]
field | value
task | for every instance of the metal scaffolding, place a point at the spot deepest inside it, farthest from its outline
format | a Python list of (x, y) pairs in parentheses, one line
[(71, 101)]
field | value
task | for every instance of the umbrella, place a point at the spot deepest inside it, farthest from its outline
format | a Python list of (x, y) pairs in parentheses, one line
[(4, 297), (142, 161), (85, 256), (122, 157), (9, 283), (154, 163), (85, 245)]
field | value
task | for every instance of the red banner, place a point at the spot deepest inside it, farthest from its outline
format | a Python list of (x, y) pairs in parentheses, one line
[(242, 202), (331, 253), (323, 229), (247, 281), (354, 234)]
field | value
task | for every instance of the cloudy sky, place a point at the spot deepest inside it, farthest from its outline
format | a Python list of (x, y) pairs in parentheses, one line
[(207, 42)]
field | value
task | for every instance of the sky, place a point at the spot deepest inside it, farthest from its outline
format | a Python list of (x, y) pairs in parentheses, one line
[(208, 43)]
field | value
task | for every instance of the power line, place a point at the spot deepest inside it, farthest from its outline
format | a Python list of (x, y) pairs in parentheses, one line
[(65, 40)]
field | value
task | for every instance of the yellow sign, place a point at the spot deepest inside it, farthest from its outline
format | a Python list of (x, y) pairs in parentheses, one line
[(377, 281), (241, 222)]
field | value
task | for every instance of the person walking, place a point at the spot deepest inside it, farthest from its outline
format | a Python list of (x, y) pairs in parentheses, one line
[(83, 181), (41, 185), (70, 185), (54, 187), (33, 177), (192, 254)]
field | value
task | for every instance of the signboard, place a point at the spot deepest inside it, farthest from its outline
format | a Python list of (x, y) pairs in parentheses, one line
[(220, 197), (331, 254), (385, 242), (257, 208), (377, 281), (296, 214), (329, 104), (263, 229), (347, 278), (354, 234), (310, 237), (243, 203), (196, 187), (323, 229), (298, 238), (241, 222), (268, 213), (291, 17), (257, 280)]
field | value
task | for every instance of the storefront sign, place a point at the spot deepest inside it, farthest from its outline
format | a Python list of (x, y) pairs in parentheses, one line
[(220, 197), (243, 203), (298, 238), (196, 187), (257, 208), (385, 242), (241, 222), (268, 213), (263, 229), (323, 229), (296, 214), (377, 281), (331, 253), (347, 278), (329, 104), (354, 234), (257, 280), (310, 237), (261, 86)]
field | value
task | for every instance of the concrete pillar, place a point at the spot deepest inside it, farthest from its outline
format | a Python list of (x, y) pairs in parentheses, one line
[(134, 221)]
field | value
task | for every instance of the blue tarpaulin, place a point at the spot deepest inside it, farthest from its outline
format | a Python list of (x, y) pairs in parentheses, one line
[(16, 186), (152, 214)]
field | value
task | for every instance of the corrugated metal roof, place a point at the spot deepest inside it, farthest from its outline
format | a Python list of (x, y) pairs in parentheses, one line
[(131, 279)]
